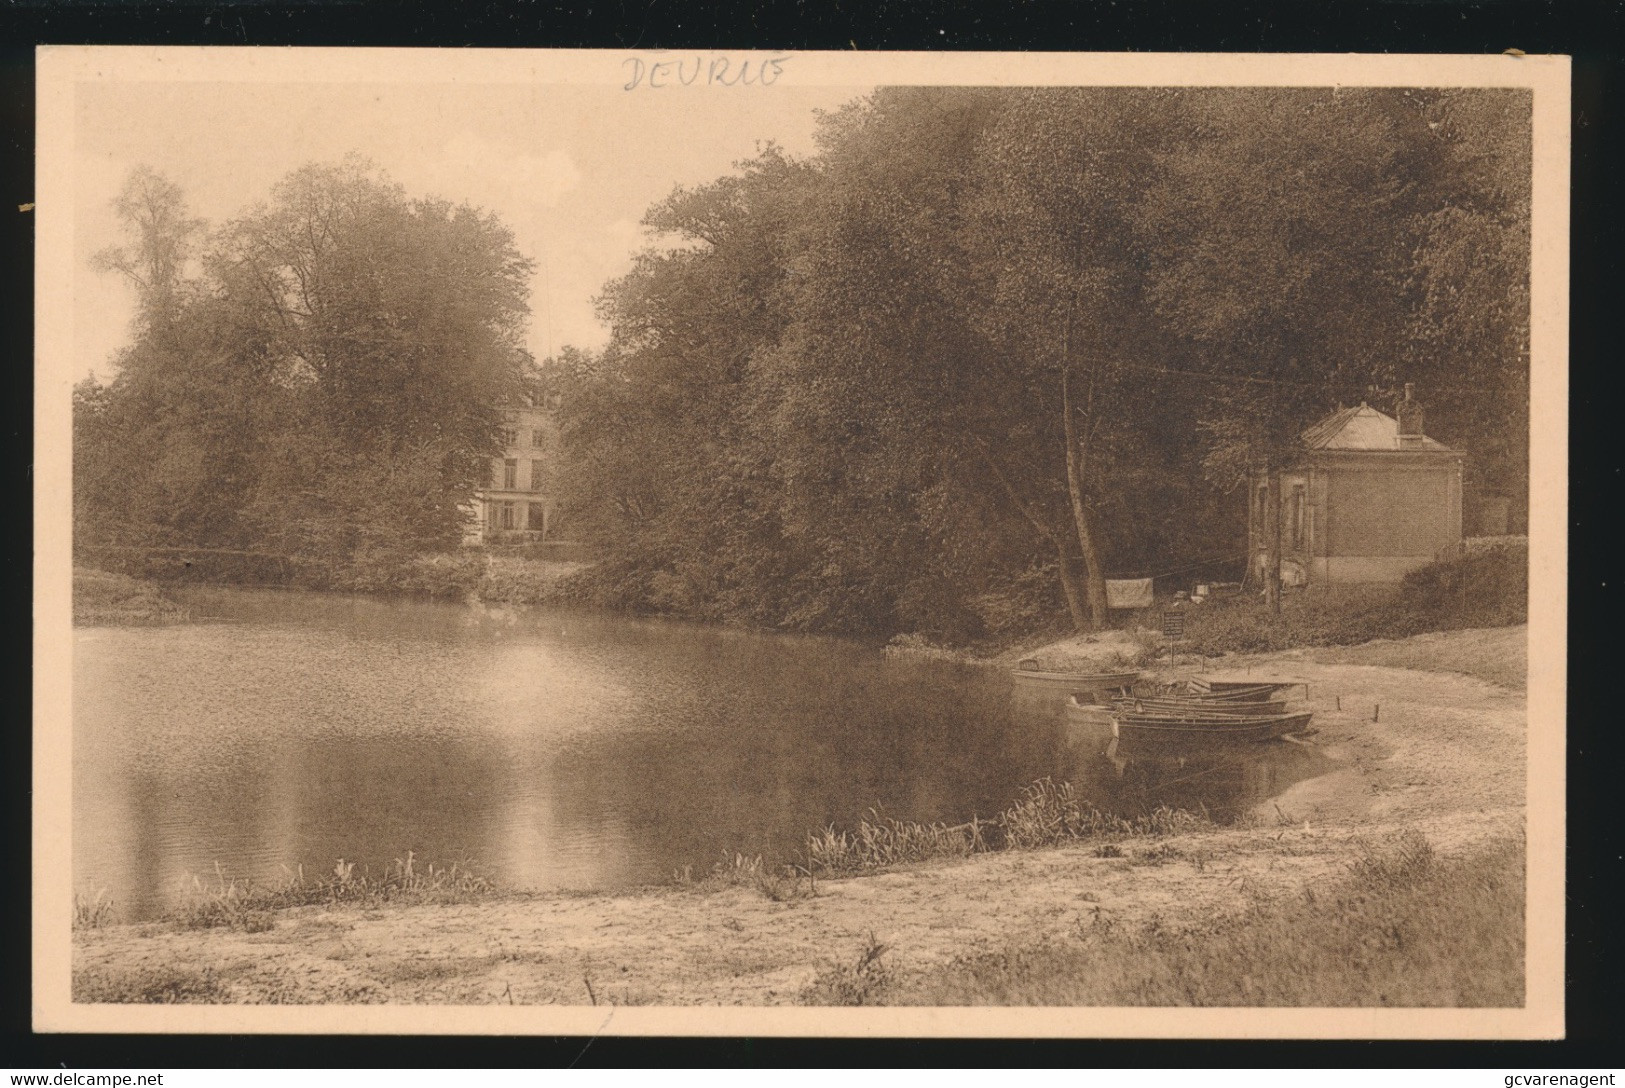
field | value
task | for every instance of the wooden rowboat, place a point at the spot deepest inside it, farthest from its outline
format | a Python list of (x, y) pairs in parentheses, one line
[(1224, 727), (1253, 693), (1224, 689), (1069, 682), (1198, 708)]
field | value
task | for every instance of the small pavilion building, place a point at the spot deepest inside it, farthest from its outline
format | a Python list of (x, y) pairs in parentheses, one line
[(1370, 499)]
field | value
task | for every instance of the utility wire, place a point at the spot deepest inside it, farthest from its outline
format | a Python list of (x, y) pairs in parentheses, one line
[(1252, 380)]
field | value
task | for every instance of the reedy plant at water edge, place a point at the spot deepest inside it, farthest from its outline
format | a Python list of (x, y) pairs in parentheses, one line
[(240, 903), (735, 869), (884, 840), (1047, 814), (93, 912)]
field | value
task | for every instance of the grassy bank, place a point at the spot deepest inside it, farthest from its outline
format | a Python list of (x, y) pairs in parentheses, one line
[(468, 574), (1484, 588), (1401, 927), (1487, 587), (462, 575), (102, 598)]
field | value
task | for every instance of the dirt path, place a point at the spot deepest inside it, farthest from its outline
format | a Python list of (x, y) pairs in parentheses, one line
[(1445, 755)]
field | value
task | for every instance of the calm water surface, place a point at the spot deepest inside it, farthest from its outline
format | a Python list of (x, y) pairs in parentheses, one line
[(550, 750)]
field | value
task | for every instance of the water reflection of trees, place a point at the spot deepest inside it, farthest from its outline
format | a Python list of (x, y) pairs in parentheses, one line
[(755, 755)]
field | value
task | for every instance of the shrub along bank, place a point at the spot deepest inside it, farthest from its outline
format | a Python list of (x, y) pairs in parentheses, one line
[(1486, 587), (507, 579)]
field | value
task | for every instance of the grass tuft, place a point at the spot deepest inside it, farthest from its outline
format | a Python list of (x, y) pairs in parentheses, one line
[(242, 904), (1051, 813), (881, 840), (781, 885), (93, 912), (862, 981), (1403, 861)]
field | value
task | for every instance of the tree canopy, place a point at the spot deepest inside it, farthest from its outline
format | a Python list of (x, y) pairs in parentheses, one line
[(980, 351), (987, 347), (320, 375)]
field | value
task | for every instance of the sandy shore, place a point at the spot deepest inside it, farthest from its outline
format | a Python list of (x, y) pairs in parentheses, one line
[(1445, 757)]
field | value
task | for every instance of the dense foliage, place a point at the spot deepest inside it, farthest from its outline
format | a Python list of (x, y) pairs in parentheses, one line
[(1486, 587), (990, 346), (982, 350), (318, 378)]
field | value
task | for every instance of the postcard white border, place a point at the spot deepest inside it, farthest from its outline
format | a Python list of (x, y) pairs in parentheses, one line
[(60, 68)]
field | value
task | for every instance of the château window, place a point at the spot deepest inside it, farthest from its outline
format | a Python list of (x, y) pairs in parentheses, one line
[(507, 515), (510, 474), (510, 438), (538, 438), (536, 515), (537, 475)]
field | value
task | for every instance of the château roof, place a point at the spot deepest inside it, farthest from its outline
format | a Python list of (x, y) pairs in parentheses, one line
[(1363, 428)]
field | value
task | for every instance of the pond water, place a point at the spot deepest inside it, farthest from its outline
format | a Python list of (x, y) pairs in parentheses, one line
[(551, 750)]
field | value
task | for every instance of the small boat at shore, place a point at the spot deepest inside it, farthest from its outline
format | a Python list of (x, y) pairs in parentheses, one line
[(1146, 726), (1029, 673), (1179, 706), (1251, 693), (1188, 712), (1199, 688)]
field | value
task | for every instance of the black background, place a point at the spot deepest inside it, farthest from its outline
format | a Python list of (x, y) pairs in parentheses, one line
[(1589, 31)]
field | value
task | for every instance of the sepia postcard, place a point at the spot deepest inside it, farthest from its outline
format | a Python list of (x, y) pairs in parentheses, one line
[(745, 543)]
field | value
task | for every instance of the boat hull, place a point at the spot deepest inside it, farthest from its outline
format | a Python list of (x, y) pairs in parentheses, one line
[(1143, 727), (1089, 726), (1046, 693), (1178, 707), (1070, 682)]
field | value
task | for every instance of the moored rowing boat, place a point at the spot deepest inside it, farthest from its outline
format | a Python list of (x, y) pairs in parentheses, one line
[(1074, 681), (1265, 727), (1165, 706)]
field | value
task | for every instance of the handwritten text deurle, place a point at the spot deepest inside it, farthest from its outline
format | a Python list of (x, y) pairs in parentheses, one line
[(700, 71)]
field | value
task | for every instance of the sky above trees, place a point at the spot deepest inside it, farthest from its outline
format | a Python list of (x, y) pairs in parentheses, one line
[(570, 169)]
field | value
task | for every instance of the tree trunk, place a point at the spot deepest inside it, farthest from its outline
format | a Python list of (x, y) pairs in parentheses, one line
[(1060, 540), (1272, 541), (1069, 586), (1082, 519)]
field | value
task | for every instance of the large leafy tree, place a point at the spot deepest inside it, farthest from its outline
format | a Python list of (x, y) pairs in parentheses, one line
[(659, 434), (319, 376), (157, 448)]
